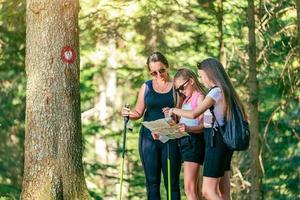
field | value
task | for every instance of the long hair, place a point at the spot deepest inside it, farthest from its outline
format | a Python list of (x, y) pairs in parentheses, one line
[(216, 73), (189, 74)]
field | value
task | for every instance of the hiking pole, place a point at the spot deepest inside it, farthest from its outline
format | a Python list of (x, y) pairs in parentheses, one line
[(126, 119), (169, 171)]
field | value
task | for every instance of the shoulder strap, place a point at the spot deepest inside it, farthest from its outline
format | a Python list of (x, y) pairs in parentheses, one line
[(215, 119), (148, 87), (212, 109), (212, 88)]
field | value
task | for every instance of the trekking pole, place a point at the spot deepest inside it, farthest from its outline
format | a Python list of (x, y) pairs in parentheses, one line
[(126, 119), (169, 172)]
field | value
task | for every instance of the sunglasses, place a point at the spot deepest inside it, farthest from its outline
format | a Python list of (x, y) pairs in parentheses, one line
[(180, 89), (160, 71)]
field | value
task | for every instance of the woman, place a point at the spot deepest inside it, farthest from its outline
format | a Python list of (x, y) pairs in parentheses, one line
[(154, 95)]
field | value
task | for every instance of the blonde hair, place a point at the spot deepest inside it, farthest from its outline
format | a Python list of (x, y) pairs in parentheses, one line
[(186, 74)]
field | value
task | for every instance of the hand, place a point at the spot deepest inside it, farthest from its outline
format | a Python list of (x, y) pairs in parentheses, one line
[(182, 127), (155, 135), (170, 112), (166, 111), (125, 112)]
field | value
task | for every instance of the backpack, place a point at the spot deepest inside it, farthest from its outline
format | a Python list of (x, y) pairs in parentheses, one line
[(236, 134)]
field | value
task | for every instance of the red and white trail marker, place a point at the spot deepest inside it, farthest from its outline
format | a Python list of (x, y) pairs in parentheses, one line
[(67, 54)]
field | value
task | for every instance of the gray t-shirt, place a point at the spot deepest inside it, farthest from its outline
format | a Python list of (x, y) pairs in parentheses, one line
[(217, 95)]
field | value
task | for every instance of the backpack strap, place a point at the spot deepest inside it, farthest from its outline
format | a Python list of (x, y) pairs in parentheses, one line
[(212, 88), (211, 109)]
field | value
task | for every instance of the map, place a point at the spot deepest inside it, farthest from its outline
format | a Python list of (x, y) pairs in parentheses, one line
[(166, 128)]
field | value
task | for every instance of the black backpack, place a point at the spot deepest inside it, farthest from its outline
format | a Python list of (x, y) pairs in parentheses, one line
[(236, 134)]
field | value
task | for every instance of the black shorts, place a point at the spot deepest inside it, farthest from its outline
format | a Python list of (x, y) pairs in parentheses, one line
[(192, 148), (217, 157)]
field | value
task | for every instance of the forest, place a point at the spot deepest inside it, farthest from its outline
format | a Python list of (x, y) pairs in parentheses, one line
[(49, 107)]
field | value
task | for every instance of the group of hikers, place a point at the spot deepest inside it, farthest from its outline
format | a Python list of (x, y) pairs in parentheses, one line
[(191, 104)]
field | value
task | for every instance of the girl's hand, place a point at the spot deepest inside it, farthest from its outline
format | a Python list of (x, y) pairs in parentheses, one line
[(182, 127), (155, 135), (125, 112), (170, 112)]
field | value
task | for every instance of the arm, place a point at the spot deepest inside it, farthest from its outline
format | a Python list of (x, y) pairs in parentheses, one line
[(194, 129), (179, 102), (139, 109), (201, 108)]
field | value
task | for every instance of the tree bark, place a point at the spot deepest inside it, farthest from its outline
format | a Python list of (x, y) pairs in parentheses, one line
[(219, 14), (53, 140), (153, 35), (218, 11), (298, 25), (253, 106)]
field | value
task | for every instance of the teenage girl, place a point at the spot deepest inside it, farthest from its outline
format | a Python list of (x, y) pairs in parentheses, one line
[(217, 156), (192, 146)]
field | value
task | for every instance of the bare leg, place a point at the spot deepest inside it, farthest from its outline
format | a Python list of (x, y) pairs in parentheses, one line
[(225, 186), (210, 188), (191, 173), (199, 184)]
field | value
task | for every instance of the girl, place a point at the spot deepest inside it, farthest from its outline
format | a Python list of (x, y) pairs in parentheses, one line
[(153, 96), (217, 155), (191, 147)]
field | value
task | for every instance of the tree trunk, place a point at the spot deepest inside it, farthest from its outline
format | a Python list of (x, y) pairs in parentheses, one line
[(253, 106), (153, 35), (217, 10), (53, 140), (108, 101), (219, 14), (298, 25)]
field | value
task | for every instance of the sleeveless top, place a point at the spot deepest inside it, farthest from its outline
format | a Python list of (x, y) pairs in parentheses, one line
[(190, 106), (188, 121), (154, 103)]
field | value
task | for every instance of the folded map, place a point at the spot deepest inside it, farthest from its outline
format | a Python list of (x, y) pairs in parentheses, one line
[(166, 128)]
